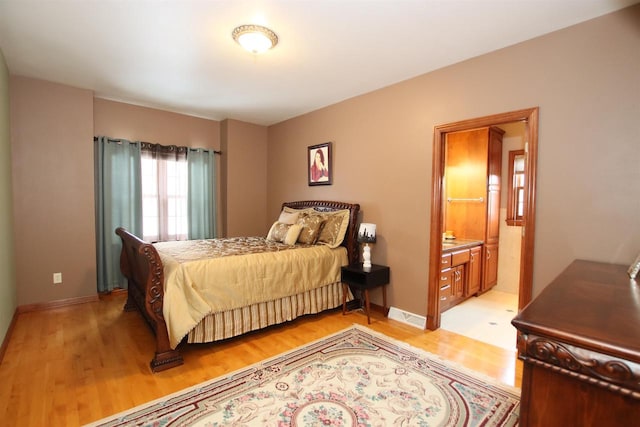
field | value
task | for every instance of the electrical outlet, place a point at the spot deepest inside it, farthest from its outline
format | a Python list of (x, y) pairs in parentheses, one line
[(57, 278)]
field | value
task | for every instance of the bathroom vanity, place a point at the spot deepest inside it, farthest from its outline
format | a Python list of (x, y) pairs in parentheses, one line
[(460, 271)]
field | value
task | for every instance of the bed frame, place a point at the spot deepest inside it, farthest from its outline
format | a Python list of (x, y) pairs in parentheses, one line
[(141, 265)]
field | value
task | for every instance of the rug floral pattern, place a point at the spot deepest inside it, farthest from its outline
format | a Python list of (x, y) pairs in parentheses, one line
[(354, 378)]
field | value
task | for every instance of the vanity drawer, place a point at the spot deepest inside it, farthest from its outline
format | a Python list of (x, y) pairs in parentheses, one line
[(446, 261), (445, 280), (446, 290), (460, 257)]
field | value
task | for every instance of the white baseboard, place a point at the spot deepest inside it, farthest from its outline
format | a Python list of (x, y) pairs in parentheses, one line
[(408, 318)]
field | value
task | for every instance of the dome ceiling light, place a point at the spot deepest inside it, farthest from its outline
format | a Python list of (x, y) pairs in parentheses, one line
[(255, 38)]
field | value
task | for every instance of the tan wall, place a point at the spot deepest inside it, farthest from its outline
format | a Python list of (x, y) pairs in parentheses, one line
[(120, 120), (244, 153), (241, 168), (52, 133), (8, 300), (53, 204), (588, 192), (135, 123)]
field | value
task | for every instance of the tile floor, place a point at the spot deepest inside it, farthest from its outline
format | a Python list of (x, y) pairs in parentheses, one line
[(486, 318)]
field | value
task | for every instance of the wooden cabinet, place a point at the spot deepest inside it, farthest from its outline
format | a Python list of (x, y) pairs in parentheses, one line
[(474, 277), (472, 191), (452, 286), (579, 343), (454, 276)]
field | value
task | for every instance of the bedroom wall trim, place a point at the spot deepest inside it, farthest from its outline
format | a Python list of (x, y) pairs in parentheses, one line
[(7, 336), (56, 304)]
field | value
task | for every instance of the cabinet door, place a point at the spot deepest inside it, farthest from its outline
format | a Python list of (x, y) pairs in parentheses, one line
[(466, 179), (490, 276), (494, 186), (475, 270), (457, 279)]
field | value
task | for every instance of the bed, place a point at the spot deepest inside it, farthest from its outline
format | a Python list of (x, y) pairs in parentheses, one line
[(209, 290)]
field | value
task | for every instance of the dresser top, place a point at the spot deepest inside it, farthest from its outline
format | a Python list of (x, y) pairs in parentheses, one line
[(591, 305)]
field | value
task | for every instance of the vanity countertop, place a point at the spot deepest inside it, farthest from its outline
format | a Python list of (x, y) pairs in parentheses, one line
[(457, 244)]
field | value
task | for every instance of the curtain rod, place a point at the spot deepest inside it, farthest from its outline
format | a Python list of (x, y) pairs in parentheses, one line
[(95, 138)]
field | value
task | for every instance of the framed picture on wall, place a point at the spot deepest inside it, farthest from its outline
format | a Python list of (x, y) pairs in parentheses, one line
[(319, 164)]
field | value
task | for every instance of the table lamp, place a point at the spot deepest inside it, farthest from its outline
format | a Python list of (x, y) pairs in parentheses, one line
[(366, 235)]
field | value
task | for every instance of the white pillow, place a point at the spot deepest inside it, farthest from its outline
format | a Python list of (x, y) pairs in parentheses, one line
[(288, 217)]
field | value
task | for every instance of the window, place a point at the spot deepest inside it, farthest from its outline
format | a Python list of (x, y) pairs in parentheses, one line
[(515, 193), (164, 196)]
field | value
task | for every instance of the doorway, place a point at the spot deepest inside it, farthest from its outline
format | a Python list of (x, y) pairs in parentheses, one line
[(530, 118)]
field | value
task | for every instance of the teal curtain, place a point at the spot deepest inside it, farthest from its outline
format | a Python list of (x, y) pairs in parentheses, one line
[(202, 194), (118, 193)]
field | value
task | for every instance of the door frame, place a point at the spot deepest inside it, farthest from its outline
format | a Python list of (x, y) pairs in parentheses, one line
[(530, 117)]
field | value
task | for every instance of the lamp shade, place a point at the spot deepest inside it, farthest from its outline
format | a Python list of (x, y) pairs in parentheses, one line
[(367, 233)]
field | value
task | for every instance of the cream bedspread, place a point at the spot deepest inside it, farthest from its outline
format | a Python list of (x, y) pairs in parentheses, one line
[(208, 276)]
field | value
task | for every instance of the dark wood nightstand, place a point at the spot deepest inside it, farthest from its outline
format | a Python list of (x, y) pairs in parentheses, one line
[(356, 276)]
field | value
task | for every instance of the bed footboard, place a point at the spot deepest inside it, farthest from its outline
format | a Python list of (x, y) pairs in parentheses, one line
[(141, 265)]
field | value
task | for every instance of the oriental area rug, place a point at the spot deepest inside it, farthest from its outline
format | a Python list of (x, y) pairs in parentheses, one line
[(356, 377)]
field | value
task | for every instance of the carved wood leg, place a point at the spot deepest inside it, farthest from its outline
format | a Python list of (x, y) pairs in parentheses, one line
[(130, 305)]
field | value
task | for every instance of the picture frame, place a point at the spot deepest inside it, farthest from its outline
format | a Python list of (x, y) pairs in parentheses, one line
[(634, 268), (320, 164)]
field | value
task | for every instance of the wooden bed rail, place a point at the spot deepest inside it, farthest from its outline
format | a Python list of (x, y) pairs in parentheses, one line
[(141, 265)]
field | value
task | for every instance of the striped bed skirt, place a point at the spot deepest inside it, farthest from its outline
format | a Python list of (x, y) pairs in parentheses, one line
[(231, 323)]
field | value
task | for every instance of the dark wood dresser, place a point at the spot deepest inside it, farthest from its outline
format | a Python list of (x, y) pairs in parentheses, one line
[(580, 344)]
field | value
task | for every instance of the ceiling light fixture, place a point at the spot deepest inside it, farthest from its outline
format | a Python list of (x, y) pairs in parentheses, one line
[(255, 38)]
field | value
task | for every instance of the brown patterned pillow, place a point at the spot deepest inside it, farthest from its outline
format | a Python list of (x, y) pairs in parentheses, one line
[(311, 227), (334, 229)]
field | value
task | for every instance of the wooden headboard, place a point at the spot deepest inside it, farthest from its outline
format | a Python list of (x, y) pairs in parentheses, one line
[(350, 241)]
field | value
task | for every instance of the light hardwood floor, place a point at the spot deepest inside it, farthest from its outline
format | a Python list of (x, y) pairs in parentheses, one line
[(73, 365)]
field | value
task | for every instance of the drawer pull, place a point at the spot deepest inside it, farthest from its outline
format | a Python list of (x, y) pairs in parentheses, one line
[(443, 298)]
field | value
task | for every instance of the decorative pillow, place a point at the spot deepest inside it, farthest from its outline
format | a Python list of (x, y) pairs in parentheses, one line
[(285, 233), (299, 211), (292, 235), (334, 228), (288, 217), (311, 226)]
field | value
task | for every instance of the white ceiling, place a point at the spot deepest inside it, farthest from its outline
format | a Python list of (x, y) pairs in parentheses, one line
[(178, 55)]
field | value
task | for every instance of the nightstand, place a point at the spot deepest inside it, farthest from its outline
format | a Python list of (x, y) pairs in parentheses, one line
[(356, 276)]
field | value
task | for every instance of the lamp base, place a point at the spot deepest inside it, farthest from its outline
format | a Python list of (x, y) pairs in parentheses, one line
[(366, 257)]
